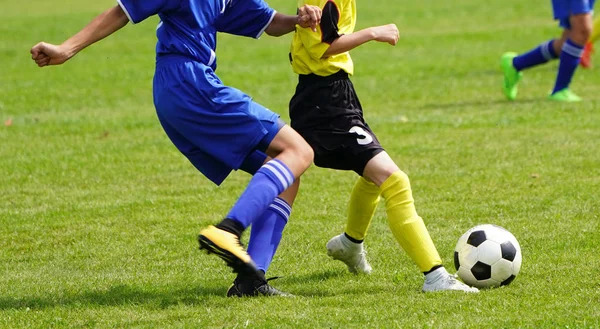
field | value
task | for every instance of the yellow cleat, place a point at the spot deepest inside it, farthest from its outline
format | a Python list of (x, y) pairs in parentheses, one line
[(227, 246)]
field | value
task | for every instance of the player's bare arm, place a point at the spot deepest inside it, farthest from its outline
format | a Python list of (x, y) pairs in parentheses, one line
[(308, 17), (99, 28), (384, 33)]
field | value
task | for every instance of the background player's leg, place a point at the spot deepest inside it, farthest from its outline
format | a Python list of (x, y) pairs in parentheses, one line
[(571, 51), (588, 50), (536, 56), (595, 31), (512, 64), (586, 57)]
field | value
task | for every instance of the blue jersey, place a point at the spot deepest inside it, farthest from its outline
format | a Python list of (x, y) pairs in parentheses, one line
[(179, 32)]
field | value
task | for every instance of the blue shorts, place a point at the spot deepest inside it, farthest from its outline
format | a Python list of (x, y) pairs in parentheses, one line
[(216, 127), (563, 9)]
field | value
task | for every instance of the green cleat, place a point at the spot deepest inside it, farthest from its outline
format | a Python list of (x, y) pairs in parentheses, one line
[(511, 76), (564, 95)]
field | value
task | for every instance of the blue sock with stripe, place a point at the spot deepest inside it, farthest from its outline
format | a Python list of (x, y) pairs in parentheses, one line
[(570, 56), (539, 55), (266, 232), (269, 181)]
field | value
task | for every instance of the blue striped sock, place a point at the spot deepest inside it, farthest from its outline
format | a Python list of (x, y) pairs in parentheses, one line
[(539, 55), (569, 59), (266, 233), (269, 181)]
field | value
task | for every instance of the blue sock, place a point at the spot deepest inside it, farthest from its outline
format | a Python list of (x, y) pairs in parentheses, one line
[(539, 55), (266, 231), (569, 59), (269, 181)]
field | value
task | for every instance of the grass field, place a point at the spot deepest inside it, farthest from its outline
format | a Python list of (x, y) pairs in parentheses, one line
[(99, 212)]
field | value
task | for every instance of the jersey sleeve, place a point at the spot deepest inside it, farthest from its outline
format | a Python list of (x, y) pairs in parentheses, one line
[(317, 43), (247, 18), (139, 10)]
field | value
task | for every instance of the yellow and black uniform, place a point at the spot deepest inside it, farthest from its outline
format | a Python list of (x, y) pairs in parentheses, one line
[(325, 109), (327, 113)]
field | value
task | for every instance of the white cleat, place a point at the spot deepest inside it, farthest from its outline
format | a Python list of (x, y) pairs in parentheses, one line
[(352, 254), (447, 282)]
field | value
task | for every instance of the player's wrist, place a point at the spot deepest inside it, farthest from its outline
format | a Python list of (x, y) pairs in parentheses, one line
[(371, 33), (68, 50)]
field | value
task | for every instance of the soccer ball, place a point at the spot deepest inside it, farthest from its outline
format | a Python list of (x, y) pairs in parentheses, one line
[(487, 256)]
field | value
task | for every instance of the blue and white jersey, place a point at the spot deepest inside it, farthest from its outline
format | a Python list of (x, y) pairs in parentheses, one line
[(182, 32)]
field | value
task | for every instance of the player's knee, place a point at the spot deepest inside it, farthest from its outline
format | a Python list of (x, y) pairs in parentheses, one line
[(402, 177), (581, 33), (581, 36), (380, 168)]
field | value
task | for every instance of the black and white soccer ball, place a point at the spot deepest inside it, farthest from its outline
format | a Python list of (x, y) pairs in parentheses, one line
[(487, 256)]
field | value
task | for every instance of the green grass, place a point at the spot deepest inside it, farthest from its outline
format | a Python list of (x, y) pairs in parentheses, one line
[(99, 212)]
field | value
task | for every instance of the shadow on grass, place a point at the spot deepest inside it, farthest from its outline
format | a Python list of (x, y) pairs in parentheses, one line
[(315, 284), (115, 296), (314, 277), (121, 295)]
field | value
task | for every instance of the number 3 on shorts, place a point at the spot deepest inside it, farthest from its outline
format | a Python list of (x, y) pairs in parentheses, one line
[(365, 138)]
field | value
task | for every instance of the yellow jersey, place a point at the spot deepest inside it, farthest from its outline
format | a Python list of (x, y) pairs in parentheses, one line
[(308, 47)]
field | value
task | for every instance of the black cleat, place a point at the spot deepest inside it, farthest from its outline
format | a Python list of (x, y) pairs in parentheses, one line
[(253, 287)]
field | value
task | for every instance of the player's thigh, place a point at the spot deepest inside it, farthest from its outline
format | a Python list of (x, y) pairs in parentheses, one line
[(329, 116), (344, 143)]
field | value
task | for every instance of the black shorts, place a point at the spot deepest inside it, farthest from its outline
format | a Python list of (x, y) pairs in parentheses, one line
[(328, 114)]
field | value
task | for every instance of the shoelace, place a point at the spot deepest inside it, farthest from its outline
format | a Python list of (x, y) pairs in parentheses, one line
[(267, 289), (452, 278), (362, 257)]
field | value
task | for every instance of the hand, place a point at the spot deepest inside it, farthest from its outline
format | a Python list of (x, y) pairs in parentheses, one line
[(309, 16), (48, 54), (387, 33)]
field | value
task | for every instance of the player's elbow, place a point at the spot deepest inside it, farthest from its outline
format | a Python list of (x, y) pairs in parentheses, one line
[(273, 32)]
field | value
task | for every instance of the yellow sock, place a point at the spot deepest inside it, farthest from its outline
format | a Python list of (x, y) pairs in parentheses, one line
[(406, 225), (595, 31), (363, 202)]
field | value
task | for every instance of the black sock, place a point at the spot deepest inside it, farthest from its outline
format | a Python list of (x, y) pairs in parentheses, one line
[(433, 269), (231, 226), (353, 239)]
